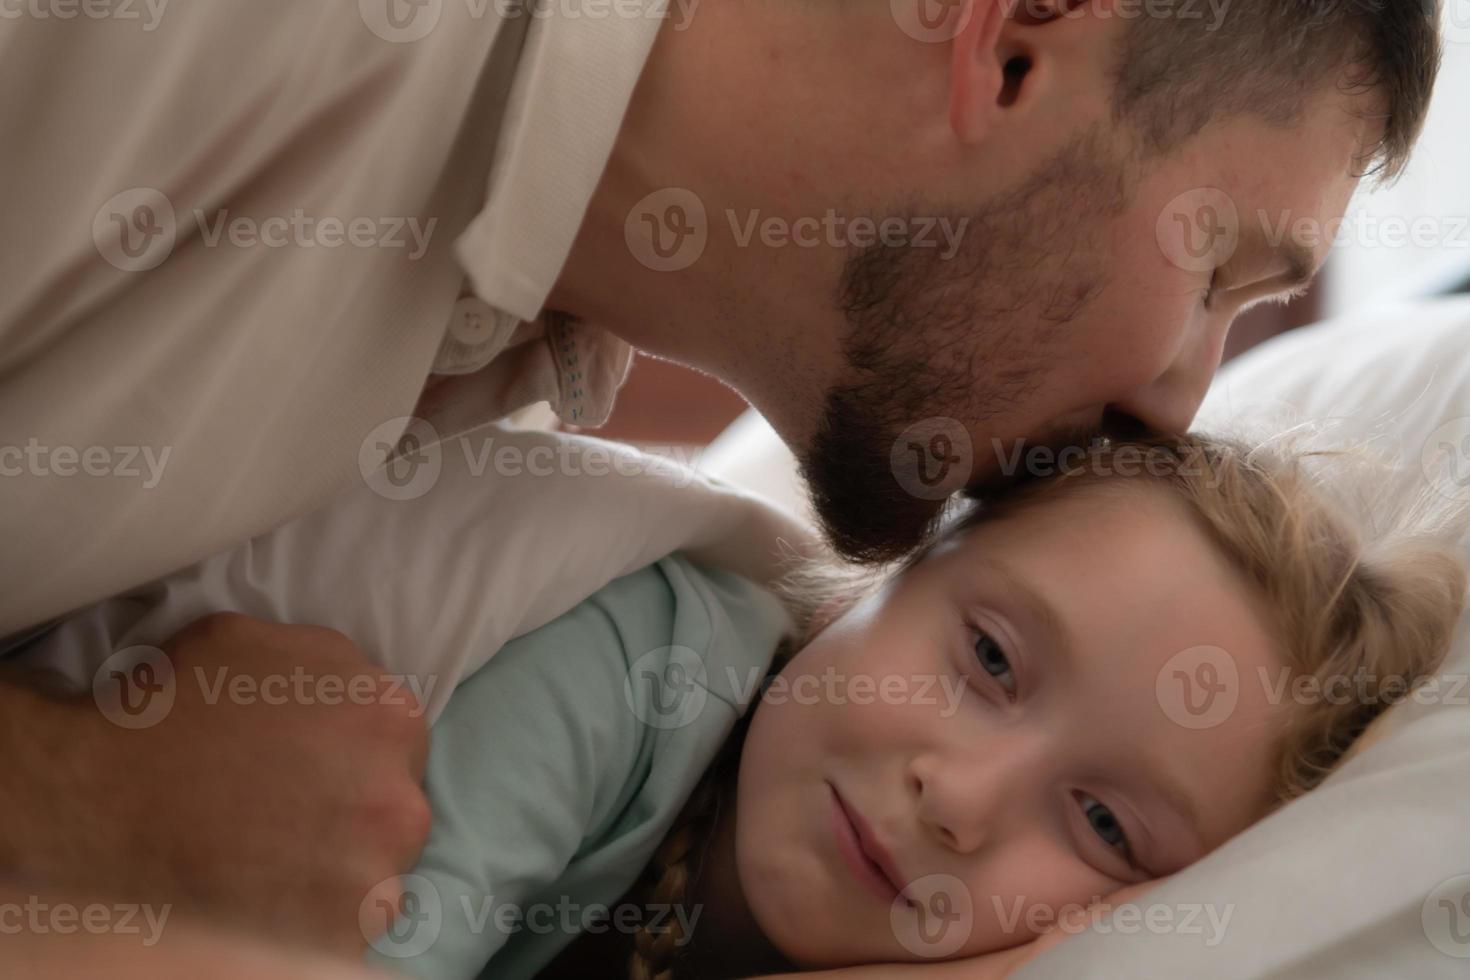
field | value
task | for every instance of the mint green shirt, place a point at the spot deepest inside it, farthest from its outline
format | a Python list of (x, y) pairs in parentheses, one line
[(558, 768)]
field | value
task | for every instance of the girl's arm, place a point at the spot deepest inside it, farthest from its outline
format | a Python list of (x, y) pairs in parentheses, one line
[(989, 966)]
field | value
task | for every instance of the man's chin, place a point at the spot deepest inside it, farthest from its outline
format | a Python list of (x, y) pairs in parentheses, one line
[(865, 515)]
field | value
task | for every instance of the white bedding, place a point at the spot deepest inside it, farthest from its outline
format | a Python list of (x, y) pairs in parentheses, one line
[(432, 586), (1369, 876)]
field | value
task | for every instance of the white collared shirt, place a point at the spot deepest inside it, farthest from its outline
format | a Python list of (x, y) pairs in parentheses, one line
[(235, 239)]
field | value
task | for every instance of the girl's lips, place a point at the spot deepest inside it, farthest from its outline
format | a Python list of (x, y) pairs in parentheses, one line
[(850, 831)]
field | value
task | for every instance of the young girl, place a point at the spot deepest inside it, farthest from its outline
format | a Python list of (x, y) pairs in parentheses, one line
[(1070, 694)]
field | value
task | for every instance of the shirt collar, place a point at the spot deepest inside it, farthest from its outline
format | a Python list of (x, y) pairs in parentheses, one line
[(573, 84)]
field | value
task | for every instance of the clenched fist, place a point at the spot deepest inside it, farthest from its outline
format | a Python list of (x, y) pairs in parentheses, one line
[(274, 785)]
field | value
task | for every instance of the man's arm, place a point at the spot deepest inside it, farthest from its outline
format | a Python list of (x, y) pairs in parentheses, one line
[(43, 937), (265, 797)]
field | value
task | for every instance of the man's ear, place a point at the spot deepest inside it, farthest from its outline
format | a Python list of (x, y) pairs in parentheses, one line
[(995, 61)]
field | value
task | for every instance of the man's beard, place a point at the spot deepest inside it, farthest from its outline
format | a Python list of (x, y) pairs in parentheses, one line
[(931, 340)]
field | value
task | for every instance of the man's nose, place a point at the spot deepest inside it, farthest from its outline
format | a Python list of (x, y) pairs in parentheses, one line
[(967, 799), (1168, 402)]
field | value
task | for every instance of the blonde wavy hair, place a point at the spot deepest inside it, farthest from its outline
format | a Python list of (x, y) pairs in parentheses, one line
[(1354, 596)]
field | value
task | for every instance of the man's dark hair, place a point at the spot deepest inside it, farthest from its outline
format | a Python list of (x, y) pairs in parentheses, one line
[(1176, 73)]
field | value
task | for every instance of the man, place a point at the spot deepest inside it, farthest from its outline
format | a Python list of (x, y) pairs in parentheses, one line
[(260, 245)]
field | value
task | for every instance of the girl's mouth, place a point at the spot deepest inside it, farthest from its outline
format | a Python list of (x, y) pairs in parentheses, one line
[(865, 857)]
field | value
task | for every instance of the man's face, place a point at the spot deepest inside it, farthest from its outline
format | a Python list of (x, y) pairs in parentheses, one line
[(1080, 297)]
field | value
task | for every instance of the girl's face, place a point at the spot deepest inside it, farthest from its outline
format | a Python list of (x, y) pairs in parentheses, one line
[(1023, 721)]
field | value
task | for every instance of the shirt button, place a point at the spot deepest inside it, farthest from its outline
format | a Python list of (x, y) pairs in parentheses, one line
[(473, 322)]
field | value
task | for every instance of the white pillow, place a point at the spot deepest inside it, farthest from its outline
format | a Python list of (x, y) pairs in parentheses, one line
[(1369, 875)]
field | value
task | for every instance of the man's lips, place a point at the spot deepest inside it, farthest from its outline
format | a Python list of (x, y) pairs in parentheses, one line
[(866, 856)]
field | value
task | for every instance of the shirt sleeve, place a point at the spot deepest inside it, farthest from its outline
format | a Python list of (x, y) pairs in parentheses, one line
[(557, 768), (532, 752)]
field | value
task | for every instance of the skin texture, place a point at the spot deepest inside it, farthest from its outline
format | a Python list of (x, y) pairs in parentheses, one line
[(1001, 796), (1058, 311), (280, 818), (183, 950)]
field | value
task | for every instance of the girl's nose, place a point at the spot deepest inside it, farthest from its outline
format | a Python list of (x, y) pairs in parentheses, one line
[(967, 799)]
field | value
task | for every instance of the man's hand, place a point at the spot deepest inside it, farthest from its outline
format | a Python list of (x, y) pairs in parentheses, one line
[(44, 937), (280, 817)]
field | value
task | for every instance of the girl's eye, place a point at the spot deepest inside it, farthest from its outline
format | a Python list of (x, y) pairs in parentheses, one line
[(994, 662), (1106, 826)]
